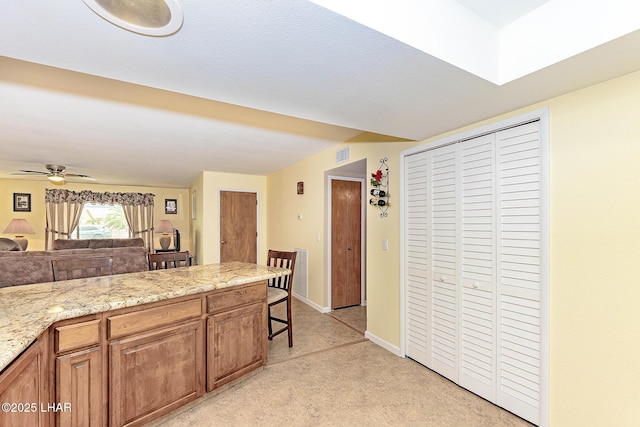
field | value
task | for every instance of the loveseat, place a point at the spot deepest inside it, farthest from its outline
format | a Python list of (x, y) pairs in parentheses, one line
[(26, 267)]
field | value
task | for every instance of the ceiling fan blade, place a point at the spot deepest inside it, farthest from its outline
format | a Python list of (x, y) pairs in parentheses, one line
[(77, 175), (30, 172)]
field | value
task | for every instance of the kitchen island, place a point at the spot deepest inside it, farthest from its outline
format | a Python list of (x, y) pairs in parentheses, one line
[(124, 349)]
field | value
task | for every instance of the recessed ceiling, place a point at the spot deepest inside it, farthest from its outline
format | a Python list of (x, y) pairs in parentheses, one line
[(497, 41), (499, 12), (253, 86)]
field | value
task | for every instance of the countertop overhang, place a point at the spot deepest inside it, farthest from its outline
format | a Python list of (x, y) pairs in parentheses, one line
[(28, 310)]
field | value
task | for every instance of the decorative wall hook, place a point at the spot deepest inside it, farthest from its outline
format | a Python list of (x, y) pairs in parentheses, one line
[(380, 190)]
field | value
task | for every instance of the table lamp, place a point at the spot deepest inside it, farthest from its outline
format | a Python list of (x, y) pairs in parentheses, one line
[(165, 227), (19, 227)]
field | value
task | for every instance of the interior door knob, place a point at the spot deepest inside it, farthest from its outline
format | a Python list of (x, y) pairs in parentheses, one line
[(222, 242)]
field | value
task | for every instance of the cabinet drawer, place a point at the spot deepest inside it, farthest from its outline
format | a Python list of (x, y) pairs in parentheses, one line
[(229, 298), (150, 318), (78, 335)]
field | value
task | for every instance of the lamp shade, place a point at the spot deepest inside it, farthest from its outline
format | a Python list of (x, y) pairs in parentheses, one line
[(19, 226), (165, 226)]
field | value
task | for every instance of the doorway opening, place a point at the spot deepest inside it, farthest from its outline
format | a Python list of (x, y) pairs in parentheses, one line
[(345, 236)]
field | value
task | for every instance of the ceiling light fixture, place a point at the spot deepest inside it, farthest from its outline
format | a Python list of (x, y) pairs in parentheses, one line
[(56, 178), (148, 17)]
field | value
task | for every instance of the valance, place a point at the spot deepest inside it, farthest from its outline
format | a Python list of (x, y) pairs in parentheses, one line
[(86, 196)]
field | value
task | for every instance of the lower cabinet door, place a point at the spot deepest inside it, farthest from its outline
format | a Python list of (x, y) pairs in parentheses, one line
[(24, 388), (79, 387), (236, 343), (155, 372)]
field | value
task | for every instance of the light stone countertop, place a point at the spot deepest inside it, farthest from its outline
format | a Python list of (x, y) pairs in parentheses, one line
[(27, 310)]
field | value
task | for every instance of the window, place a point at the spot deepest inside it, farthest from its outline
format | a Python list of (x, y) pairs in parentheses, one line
[(99, 221)]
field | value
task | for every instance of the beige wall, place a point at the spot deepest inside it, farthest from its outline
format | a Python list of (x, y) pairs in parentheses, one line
[(212, 184), (37, 217), (594, 237), (286, 231), (595, 243)]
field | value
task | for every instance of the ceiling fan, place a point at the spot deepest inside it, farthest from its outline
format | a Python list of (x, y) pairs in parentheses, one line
[(56, 174)]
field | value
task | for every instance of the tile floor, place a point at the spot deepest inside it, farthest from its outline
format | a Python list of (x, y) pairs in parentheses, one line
[(333, 376)]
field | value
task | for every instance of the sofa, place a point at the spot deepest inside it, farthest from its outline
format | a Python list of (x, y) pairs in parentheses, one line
[(27, 267)]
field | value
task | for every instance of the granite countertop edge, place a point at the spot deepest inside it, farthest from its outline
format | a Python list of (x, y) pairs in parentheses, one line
[(28, 310)]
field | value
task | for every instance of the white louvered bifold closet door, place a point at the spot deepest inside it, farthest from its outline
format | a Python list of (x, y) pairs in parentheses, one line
[(519, 270), (418, 293), (477, 229), (473, 264), (442, 198)]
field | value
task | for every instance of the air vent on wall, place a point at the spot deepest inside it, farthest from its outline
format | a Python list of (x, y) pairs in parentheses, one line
[(300, 273), (342, 155)]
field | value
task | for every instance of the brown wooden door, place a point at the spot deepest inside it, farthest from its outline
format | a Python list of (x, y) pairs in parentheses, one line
[(238, 226), (346, 248)]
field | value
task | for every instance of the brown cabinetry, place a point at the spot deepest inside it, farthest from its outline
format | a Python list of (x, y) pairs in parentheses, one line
[(155, 372), (79, 385), (235, 344), (24, 388), (236, 333), (78, 372), (129, 366)]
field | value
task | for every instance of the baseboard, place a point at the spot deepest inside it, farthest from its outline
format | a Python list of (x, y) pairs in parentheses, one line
[(373, 338), (312, 304), (382, 343)]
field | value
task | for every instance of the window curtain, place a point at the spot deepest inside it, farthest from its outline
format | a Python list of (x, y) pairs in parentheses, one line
[(64, 207), (140, 219)]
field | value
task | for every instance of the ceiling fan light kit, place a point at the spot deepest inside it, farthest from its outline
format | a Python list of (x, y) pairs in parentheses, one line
[(147, 17), (56, 179)]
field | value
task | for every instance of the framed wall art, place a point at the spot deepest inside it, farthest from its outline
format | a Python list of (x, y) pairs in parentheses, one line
[(21, 202), (170, 206)]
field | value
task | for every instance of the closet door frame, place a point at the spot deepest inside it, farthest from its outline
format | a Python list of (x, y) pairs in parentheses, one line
[(541, 115)]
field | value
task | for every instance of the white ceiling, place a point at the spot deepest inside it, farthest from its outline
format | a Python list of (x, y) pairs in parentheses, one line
[(249, 86), (499, 12)]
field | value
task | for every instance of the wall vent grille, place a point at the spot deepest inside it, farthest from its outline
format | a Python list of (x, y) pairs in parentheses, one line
[(342, 155), (300, 273)]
